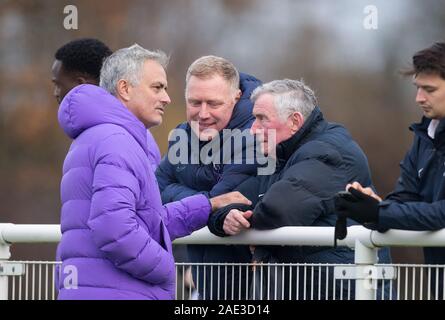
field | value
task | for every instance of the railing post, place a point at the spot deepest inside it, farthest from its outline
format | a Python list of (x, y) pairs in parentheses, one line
[(365, 260), (5, 254)]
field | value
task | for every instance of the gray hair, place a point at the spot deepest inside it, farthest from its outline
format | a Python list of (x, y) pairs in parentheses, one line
[(289, 96), (208, 66), (127, 63)]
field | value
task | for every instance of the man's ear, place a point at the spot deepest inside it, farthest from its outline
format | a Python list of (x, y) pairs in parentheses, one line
[(297, 121), (123, 89), (238, 95)]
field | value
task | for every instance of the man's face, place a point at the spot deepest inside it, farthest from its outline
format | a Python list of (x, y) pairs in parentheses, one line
[(210, 103), (63, 80), (430, 95), (147, 100), (268, 125)]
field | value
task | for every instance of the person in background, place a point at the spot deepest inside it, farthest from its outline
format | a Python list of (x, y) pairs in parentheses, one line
[(418, 200)]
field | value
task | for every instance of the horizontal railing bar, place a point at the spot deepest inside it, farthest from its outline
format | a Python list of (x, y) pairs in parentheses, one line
[(403, 238), (314, 236), (302, 236), (29, 233)]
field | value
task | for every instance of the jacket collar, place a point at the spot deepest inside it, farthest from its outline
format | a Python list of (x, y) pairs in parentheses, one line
[(421, 130), (286, 148), (242, 111)]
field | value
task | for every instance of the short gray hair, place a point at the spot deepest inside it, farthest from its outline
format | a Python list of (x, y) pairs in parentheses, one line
[(289, 96), (208, 66), (127, 63)]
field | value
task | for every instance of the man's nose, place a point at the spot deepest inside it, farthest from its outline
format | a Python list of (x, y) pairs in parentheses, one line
[(166, 99), (204, 111), (254, 128), (420, 96)]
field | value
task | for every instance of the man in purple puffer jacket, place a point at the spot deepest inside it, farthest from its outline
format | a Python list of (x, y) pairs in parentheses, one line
[(116, 234)]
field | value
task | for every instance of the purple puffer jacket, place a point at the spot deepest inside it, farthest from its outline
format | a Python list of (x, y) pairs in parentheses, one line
[(116, 234), (154, 153)]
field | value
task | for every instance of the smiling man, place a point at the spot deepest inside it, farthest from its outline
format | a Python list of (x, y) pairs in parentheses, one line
[(418, 201), (210, 102), (217, 99)]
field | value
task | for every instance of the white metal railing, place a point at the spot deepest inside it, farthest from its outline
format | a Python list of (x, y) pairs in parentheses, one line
[(34, 280), (365, 242), (31, 280)]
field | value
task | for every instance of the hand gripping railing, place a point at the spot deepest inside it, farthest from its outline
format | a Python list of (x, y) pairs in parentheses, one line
[(364, 241)]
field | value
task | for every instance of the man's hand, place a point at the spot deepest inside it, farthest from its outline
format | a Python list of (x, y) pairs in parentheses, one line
[(228, 198), (358, 206), (236, 221), (368, 191)]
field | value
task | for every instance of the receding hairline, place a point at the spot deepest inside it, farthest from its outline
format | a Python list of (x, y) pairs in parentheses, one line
[(207, 67)]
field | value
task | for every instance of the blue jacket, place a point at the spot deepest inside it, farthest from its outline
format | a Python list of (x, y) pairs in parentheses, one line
[(177, 181), (312, 166), (418, 201)]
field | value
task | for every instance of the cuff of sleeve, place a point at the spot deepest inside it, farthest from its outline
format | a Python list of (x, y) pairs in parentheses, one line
[(199, 209), (216, 219), (381, 225)]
